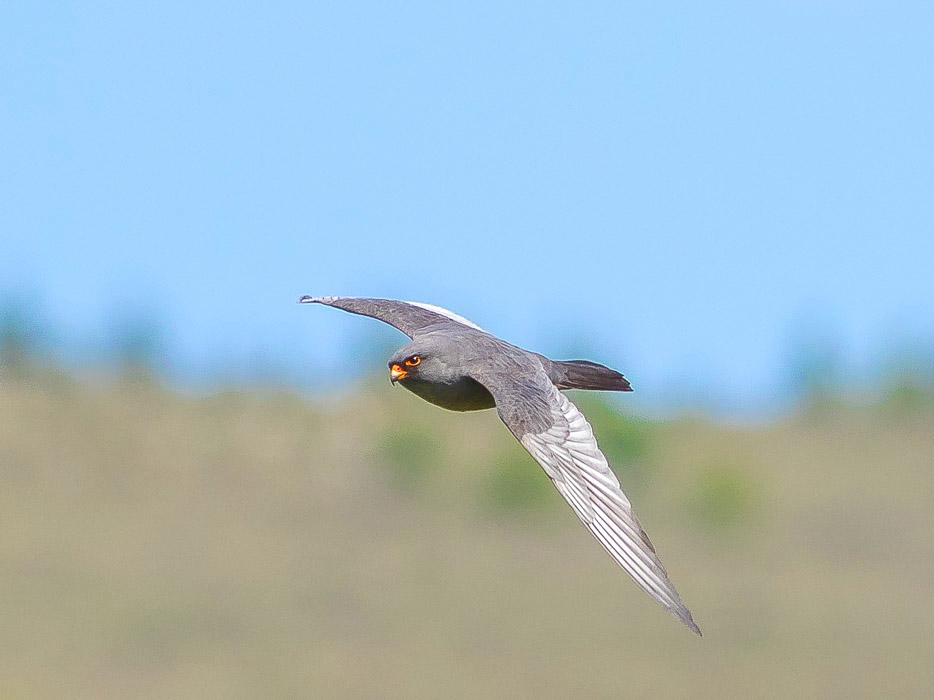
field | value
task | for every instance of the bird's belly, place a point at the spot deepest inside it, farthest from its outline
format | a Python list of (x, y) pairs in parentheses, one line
[(465, 394)]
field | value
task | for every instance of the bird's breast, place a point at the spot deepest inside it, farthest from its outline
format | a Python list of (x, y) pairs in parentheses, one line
[(465, 394)]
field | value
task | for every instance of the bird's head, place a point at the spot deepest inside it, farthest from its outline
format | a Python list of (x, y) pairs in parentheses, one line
[(425, 359), (404, 367)]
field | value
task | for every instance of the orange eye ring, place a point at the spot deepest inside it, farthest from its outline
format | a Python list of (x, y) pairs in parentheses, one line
[(413, 361)]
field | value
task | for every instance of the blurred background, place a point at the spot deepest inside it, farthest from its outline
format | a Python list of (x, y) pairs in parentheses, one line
[(209, 491)]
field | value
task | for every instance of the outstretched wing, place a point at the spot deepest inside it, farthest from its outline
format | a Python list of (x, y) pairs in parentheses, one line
[(408, 316), (561, 440)]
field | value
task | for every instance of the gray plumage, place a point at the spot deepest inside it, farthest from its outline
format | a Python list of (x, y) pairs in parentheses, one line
[(455, 364)]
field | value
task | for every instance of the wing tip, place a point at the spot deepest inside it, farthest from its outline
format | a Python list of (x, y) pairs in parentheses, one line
[(684, 615), (307, 299)]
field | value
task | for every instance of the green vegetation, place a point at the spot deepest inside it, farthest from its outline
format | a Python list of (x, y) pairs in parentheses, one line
[(410, 453), (909, 395), (20, 334), (724, 496), (516, 483)]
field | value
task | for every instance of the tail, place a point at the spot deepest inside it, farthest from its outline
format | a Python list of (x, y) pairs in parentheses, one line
[(581, 374)]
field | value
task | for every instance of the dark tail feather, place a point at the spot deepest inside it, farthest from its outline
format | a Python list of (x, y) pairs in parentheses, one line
[(581, 374)]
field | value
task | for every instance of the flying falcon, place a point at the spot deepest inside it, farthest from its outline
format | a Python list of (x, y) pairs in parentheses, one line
[(455, 364)]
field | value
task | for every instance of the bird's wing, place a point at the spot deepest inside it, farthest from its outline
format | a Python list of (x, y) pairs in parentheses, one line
[(408, 316), (561, 440)]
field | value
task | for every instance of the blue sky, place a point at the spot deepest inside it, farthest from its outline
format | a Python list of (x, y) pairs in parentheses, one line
[(676, 191)]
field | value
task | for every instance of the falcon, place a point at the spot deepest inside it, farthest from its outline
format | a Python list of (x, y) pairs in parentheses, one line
[(455, 364)]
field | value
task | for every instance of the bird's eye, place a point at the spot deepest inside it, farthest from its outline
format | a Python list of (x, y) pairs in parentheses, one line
[(413, 361)]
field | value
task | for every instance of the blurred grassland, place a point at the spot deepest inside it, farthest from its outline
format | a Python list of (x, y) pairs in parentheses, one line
[(247, 545)]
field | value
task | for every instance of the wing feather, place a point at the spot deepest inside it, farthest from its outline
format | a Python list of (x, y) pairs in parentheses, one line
[(568, 452), (410, 317)]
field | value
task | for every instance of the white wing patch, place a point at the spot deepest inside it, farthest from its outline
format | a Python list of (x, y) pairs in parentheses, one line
[(444, 312), (569, 454)]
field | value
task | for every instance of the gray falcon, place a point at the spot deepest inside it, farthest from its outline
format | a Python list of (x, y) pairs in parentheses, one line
[(455, 364)]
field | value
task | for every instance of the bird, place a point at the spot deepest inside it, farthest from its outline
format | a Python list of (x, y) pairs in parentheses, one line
[(453, 363)]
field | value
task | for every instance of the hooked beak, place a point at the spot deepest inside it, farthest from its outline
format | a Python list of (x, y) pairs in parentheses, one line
[(396, 373)]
